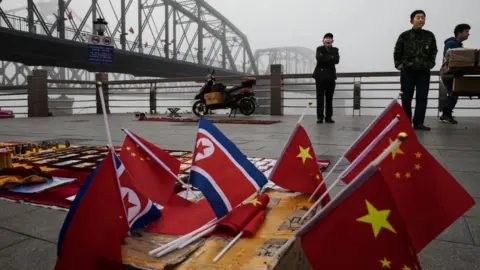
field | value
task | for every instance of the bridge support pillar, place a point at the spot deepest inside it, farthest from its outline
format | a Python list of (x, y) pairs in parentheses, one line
[(37, 93), (276, 94), (102, 77), (153, 98)]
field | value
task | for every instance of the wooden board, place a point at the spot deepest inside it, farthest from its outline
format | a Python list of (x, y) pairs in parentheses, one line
[(282, 221)]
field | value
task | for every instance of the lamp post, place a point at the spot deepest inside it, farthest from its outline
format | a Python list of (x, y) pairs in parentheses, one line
[(100, 25)]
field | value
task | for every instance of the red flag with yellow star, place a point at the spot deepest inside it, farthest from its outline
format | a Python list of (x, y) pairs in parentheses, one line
[(151, 178), (297, 169), (361, 229), (243, 217), (375, 128), (428, 196)]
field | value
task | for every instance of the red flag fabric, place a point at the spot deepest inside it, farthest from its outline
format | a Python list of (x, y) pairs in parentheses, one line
[(180, 220), (298, 168), (237, 219), (363, 231), (252, 226), (94, 229), (152, 179), (131, 30), (375, 128), (428, 196), (70, 15)]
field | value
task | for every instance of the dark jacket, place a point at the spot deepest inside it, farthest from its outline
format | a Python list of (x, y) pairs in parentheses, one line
[(327, 58), (415, 50), (451, 43)]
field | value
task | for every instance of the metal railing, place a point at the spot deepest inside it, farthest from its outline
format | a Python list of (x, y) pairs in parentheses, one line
[(356, 93), (22, 24)]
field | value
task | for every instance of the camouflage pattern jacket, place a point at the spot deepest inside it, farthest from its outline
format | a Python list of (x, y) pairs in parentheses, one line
[(415, 50)]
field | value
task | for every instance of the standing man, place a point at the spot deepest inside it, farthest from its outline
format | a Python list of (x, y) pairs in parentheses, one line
[(461, 33), (325, 75), (414, 55)]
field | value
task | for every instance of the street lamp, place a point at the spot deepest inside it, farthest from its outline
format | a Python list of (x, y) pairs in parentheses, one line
[(100, 25)]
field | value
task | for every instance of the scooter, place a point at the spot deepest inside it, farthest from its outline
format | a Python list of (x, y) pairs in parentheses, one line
[(240, 97)]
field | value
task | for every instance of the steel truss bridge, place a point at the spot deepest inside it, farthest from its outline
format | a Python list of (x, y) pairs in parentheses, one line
[(190, 31)]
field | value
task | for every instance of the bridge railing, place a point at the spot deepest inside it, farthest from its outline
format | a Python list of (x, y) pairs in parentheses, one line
[(22, 24), (356, 93)]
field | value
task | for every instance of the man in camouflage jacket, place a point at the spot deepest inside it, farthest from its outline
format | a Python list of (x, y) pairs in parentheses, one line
[(414, 55)]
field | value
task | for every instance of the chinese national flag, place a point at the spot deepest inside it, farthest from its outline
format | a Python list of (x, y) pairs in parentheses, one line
[(240, 218), (427, 195), (298, 168), (375, 128), (365, 230), (152, 179)]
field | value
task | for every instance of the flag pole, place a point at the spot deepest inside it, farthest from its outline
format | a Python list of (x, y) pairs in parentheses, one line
[(165, 167), (109, 139), (402, 136), (225, 249), (369, 127), (305, 110), (352, 165)]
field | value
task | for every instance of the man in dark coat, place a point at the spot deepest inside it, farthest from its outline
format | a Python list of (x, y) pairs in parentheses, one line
[(414, 55), (325, 75)]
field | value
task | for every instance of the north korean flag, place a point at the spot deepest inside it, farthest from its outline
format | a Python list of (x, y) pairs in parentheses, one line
[(221, 171)]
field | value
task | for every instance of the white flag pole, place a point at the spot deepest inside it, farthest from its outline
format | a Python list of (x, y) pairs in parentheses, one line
[(401, 137), (369, 127), (353, 164)]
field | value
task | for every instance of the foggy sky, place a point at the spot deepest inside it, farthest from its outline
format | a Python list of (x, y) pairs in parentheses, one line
[(365, 30)]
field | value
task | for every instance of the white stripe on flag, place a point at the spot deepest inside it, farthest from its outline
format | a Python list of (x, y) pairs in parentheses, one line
[(214, 185), (245, 173)]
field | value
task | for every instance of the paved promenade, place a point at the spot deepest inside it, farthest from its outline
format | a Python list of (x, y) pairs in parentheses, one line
[(28, 234)]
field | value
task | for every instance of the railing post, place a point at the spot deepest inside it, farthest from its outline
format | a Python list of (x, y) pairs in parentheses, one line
[(102, 77), (276, 93), (37, 93), (357, 89), (153, 98)]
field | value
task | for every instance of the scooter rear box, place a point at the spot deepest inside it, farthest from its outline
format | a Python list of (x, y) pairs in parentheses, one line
[(213, 98)]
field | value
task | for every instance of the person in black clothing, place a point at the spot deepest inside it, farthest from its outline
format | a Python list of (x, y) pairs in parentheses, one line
[(461, 32), (414, 55), (325, 75)]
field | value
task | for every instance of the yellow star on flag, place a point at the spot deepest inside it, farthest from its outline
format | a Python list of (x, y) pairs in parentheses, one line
[(385, 263), (142, 159), (304, 154), (377, 218), (418, 155), (405, 267), (408, 175), (396, 150), (317, 177), (255, 202), (128, 148), (148, 158), (138, 145), (418, 167), (398, 175), (133, 154)]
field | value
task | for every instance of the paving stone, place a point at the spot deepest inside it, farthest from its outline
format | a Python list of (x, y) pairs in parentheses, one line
[(470, 181), (29, 254), (474, 227), (42, 223), (8, 238), (457, 232), (442, 255), (10, 209), (475, 210)]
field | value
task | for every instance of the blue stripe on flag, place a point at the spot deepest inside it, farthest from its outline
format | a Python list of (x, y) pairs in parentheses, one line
[(153, 214), (233, 150), (201, 182)]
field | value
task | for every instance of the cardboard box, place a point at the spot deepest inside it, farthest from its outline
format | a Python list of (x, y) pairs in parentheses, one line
[(281, 222), (213, 98), (466, 86), (461, 58)]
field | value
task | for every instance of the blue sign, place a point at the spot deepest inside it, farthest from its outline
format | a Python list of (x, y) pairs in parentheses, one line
[(100, 54)]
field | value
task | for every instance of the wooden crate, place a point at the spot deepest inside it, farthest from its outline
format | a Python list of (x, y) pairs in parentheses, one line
[(213, 98), (461, 58), (467, 86)]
